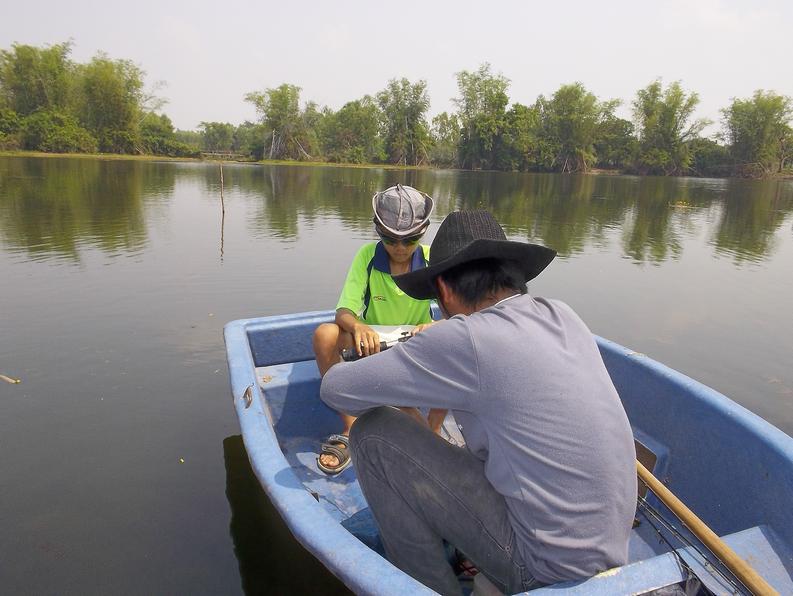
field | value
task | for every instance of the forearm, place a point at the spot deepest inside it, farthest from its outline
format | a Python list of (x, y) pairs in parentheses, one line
[(436, 418), (435, 369), (414, 413), (346, 320), (354, 387)]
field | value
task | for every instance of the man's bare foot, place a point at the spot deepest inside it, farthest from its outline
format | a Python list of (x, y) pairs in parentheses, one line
[(329, 460)]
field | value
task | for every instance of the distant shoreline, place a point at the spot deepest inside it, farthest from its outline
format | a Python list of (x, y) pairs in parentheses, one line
[(366, 166), (100, 156), (277, 162)]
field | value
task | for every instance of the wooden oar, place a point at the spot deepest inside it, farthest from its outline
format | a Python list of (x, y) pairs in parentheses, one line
[(748, 576)]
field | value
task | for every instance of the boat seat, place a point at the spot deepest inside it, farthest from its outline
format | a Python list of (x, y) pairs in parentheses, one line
[(759, 546)]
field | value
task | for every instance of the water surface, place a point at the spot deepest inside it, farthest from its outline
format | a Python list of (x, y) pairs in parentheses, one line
[(122, 470)]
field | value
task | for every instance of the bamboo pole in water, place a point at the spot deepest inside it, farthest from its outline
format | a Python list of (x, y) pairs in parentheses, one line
[(742, 570), (223, 212), (222, 202)]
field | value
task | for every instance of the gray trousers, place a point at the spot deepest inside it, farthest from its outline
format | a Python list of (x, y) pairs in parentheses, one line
[(423, 491)]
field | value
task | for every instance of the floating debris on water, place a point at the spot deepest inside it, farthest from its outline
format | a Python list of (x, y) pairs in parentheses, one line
[(181, 460), (11, 380)]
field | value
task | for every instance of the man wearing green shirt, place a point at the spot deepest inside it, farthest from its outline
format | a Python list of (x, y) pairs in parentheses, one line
[(370, 296)]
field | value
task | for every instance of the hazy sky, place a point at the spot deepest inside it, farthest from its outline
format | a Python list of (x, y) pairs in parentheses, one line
[(211, 53)]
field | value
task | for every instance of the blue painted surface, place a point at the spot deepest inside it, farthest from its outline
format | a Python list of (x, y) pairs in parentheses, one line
[(731, 467)]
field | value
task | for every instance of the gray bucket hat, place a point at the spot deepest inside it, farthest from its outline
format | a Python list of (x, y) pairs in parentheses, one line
[(402, 210)]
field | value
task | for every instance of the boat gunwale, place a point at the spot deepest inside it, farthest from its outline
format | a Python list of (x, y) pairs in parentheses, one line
[(771, 436)]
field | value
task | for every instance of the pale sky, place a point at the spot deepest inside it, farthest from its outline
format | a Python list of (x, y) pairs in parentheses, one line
[(211, 53)]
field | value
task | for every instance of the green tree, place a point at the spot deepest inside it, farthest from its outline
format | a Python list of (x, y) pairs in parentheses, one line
[(56, 132), (312, 117), (158, 137), (217, 136), (666, 128), (445, 139), (248, 140), (34, 78), (615, 143), (111, 96), (522, 141), (155, 131), (189, 137), (481, 105), (78, 107), (9, 121), (570, 122), (10, 125), (758, 131), (353, 133), (285, 130), (406, 134), (710, 158)]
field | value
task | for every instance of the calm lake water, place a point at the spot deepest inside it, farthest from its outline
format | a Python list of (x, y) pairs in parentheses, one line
[(121, 465)]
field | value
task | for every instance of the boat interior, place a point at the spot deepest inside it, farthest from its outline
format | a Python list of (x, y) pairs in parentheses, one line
[(715, 456)]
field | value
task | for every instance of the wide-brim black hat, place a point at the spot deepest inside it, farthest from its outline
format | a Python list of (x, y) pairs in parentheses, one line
[(468, 236)]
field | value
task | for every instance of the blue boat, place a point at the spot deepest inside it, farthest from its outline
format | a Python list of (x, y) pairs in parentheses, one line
[(732, 468)]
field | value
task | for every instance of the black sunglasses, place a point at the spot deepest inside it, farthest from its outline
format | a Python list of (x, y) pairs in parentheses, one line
[(407, 241)]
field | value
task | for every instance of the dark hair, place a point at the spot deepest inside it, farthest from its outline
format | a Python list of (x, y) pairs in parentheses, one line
[(477, 280)]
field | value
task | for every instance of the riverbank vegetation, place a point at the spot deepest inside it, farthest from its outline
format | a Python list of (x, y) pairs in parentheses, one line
[(50, 103)]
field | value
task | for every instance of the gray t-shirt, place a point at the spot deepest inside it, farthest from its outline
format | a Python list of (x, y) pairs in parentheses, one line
[(529, 389)]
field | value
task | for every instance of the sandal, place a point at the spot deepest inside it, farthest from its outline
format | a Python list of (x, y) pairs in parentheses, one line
[(338, 445), (463, 566)]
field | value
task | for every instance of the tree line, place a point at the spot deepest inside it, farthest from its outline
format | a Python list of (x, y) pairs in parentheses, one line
[(570, 131), (49, 103)]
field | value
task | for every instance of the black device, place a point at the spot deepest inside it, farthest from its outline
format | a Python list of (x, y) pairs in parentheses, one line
[(351, 354)]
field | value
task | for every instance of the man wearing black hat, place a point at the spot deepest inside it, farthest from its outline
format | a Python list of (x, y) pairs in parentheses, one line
[(545, 489)]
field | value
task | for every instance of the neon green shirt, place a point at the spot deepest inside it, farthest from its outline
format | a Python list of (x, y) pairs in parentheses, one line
[(388, 305)]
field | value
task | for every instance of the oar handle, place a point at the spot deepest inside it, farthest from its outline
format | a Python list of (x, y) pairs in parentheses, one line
[(748, 576)]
